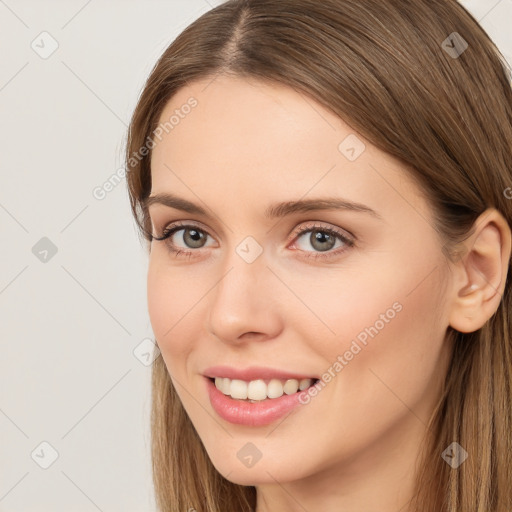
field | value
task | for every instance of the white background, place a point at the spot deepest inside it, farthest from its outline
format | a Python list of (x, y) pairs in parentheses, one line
[(69, 326)]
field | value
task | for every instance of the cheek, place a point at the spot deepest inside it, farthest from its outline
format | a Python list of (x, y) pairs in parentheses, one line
[(397, 334), (387, 319), (160, 300), (176, 297), (347, 309), (169, 300), (392, 310)]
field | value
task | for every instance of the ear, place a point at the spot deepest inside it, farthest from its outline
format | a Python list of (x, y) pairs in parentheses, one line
[(481, 272)]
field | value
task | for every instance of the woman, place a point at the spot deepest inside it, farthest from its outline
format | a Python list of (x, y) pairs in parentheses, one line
[(324, 188)]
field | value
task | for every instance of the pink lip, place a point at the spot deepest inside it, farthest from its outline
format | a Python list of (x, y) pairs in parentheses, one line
[(253, 373), (247, 413)]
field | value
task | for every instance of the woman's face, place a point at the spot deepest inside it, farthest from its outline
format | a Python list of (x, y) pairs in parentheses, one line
[(272, 286)]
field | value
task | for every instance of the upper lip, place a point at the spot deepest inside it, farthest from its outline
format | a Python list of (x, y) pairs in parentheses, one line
[(253, 373)]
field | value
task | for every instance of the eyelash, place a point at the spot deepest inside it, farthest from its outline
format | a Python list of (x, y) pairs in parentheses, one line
[(178, 226)]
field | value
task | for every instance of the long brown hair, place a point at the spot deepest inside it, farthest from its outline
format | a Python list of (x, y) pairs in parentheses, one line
[(396, 73)]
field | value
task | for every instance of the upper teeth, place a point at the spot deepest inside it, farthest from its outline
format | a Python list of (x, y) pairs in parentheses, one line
[(259, 389)]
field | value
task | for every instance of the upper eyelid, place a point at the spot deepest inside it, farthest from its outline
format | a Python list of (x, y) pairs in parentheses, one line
[(311, 225), (175, 225)]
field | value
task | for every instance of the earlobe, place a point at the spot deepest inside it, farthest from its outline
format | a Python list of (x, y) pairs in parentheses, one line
[(481, 273)]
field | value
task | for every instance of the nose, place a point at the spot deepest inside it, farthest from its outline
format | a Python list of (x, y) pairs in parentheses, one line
[(244, 305)]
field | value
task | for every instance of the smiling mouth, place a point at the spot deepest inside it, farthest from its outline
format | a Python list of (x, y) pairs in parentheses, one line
[(255, 391)]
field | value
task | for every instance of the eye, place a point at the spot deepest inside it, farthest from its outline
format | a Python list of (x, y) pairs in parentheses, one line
[(323, 240), (186, 239), (192, 237)]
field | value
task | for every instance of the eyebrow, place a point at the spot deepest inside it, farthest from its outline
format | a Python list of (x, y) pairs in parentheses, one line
[(273, 211)]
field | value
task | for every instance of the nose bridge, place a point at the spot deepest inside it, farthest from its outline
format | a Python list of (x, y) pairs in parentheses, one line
[(241, 301)]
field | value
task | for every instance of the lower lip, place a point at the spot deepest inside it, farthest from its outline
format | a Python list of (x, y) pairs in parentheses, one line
[(256, 414)]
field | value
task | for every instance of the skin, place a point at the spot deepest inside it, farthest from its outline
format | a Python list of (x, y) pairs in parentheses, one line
[(248, 144)]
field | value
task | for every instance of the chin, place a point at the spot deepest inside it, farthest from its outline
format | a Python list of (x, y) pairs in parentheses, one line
[(261, 472)]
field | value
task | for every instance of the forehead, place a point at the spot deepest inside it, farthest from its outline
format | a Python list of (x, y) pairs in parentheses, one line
[(238, 117), (244, 136)]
